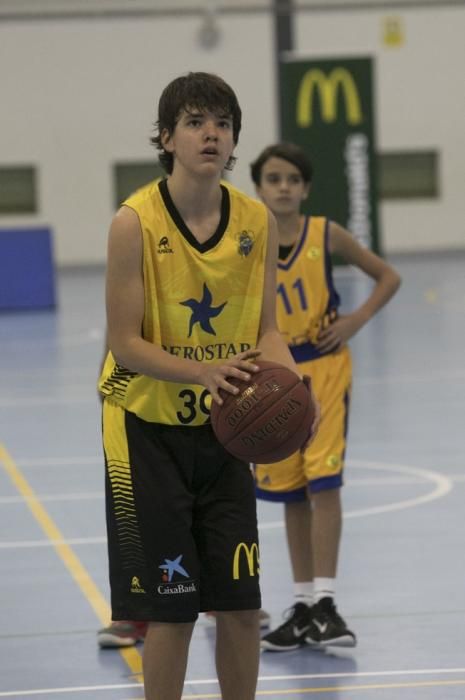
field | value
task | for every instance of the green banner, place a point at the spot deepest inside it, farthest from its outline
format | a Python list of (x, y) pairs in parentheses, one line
[(327, 109)]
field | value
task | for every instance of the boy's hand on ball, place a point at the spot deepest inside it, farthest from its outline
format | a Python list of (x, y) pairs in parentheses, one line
[(240, 366)]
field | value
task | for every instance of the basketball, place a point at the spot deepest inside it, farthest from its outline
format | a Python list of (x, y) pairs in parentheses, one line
[(269, 419)]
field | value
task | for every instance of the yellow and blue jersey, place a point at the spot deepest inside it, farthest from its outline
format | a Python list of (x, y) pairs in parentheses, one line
[(307, 299), (307, 302)]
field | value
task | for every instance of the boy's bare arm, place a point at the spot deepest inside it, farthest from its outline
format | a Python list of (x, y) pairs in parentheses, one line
[(386, 277), (271, 342), (387, 281)]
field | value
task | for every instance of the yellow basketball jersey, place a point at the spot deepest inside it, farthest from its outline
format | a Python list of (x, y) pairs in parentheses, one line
[(202, 301), (307, 300)]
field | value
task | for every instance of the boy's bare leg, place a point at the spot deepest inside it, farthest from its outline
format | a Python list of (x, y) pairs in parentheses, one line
[(313, 535), (237, 653), (298, 518), (326, 532), (165, 659)]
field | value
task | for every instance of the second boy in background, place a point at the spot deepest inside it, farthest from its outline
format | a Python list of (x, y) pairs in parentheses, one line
[(307, 312)]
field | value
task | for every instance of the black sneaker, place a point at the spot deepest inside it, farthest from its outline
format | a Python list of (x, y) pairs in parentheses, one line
[(291, 634), (327, 628)]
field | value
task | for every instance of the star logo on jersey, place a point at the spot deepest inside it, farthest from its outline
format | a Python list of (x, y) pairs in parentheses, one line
[(203, 311), (172, 566)]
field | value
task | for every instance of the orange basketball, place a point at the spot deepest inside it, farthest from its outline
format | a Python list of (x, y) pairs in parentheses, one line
[(269, 419)]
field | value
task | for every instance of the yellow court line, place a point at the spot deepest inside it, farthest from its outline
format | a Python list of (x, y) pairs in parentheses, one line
[(341, 688), (279, 692), (307, 691), (79, 573)]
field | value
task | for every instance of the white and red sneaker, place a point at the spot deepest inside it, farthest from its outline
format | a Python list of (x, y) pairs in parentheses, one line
[(123, 633)]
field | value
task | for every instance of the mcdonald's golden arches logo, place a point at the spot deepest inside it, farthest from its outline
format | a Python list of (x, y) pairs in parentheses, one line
[(328, 86), (252, 559)]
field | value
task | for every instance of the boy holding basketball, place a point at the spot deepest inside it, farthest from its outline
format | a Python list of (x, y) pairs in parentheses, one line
[(309, 483), (191, 289)]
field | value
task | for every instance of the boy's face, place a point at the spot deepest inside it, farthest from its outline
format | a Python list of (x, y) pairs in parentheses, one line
[(282, 187), (202, 142)]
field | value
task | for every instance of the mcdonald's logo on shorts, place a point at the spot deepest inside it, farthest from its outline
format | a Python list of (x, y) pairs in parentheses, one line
[(328, 87), (251, 560)]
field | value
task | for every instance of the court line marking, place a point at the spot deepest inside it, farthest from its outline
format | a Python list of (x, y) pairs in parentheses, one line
[(279, 692), (352, 483), (442, 486), (266, 679), (78, 572), (95, 460)]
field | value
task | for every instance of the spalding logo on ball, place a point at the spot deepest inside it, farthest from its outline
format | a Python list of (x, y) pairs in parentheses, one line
[(269, 419)]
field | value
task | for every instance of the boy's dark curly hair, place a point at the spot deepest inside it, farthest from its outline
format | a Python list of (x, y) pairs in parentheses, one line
[(199, 91)]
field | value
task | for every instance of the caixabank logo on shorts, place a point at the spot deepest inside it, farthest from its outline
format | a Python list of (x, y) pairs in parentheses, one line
[(172, 569)]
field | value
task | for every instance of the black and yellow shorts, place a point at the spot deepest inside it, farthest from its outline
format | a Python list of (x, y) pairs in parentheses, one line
[(181, 521)]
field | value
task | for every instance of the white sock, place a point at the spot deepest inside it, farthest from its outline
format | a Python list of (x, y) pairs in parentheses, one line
[(324, 588), (303, 593)]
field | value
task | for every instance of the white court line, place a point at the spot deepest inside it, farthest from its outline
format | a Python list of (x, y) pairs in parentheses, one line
[(261, 679), (353, 482), (442, 486), (92, 460)]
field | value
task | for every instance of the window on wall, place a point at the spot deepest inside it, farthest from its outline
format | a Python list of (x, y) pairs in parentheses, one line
[(18, 190), (128, 177), (408, 175)]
